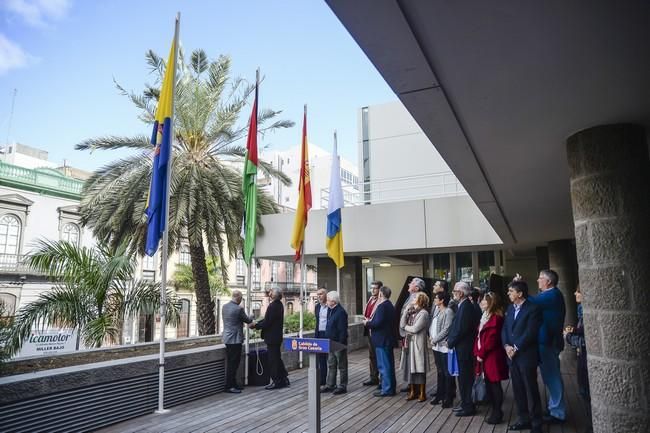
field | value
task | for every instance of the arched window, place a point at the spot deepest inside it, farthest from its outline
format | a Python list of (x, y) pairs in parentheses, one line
[(184, 257), (289, 307), (183, 329), (9, 234), (70, 233), (8, 304)]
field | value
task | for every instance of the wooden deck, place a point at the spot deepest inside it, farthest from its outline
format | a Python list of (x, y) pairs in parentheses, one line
[(285, 410)]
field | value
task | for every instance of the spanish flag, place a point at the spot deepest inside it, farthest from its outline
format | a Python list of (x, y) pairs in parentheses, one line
[(334, 238), (304, 195), (161, 138)]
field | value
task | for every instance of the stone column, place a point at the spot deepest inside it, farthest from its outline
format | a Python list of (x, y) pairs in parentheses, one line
[(562, 259), (610, 194)]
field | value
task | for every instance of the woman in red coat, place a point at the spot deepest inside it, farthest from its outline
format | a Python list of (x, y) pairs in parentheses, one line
[(490, 354)]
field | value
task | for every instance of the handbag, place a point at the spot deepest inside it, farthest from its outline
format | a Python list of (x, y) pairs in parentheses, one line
[(479, 392), (452, 362)]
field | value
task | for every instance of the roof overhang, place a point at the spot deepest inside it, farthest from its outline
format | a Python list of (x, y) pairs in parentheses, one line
[(498, 87)]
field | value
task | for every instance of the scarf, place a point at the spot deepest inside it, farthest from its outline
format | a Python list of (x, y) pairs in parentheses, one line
[(484, 319)]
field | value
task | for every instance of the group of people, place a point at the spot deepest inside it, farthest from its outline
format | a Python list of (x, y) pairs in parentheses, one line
[(474, 335)]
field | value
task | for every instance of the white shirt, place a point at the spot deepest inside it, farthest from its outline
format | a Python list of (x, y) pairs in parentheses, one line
[(322, 317)]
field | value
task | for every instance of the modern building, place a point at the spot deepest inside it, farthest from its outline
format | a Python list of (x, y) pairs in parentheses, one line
[(542, 110)]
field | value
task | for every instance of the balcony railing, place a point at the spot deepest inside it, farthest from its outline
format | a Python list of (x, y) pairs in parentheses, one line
[(434, 185), (15, 264), (289, 287), (40, 180)]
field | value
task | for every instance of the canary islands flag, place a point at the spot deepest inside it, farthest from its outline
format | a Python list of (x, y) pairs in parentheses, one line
[(334, 240), (161, 138)]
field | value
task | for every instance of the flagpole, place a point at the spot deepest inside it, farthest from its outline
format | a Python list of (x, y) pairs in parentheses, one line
[(303, 277), (338, 271), (252, 263), (165, 240)]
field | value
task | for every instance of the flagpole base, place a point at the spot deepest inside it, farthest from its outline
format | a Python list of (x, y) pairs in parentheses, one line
[(161, 411)]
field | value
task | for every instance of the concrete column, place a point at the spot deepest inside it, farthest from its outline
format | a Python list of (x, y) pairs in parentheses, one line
[(562, 259), (351, 279), (610, 194)]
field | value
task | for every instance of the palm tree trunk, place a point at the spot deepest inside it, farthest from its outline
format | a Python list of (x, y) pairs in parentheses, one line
[(204, 302)]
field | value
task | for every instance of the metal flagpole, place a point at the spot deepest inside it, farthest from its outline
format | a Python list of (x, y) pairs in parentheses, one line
[(165, 241), (252, 263), (303, 277), (338, 271)]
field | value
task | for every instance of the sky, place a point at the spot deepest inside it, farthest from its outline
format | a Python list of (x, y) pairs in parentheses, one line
[(63, 55)]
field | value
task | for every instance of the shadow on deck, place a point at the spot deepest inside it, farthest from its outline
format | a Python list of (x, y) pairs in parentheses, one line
[(285, 410)]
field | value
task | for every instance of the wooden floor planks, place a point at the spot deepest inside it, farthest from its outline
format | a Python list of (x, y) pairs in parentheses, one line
[(257, 410)]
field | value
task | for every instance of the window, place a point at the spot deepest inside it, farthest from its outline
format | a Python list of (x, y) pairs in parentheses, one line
[(256, 273), (183, 329), (257, 309), (486, 267), (184, 257), (289, 307), (464, 271), (8, 302), (9, 234), (274, 271), (441, 267), (70, 233), (145, 327), (149, 275), (241, 267), (348, 177), (148, 263), (289, 269)]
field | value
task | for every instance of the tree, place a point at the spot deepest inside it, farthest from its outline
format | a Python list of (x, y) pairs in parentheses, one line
[(184, 279), (94, 293), (292, 322), (206, 202)]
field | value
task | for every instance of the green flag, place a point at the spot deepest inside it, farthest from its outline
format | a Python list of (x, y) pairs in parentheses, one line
[(250, 187)]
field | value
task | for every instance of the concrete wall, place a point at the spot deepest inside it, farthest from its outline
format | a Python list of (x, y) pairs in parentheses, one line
[(395, 276), (389, 227)]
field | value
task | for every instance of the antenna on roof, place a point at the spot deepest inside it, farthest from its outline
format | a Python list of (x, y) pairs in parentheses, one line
[(11, 115)]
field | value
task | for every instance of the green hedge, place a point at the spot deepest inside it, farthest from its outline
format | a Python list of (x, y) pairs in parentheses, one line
[(292, 322)]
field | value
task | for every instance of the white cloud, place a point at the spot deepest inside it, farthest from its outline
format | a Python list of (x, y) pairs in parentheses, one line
[(38, 13), (11, 55)]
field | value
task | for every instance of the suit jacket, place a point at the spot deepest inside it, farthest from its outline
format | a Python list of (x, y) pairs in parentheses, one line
[(317, 333), (272, 325), (463, 330), (366, 332), (382, 325), (523, 333), (337, 325), (553, 309), (234, 318)]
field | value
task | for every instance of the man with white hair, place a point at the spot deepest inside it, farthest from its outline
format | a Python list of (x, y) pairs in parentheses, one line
[(461, 337), (234, 318), (336, 330)]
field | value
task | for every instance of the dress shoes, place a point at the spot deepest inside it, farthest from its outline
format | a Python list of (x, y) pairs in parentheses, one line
[(274, 386), (435, 401), (239, 387), (495, 419), (339, 391), (233, 390), (466, 412), (457, 408), (519, 426), (370, 383), (550, 419), (447, 404), (326, 389)]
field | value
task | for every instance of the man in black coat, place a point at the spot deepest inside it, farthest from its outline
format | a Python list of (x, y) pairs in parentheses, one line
[(461, 337), (272, 327), (519, 336)]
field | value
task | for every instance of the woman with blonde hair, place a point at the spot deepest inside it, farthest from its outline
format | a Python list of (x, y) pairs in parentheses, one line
[(490, 354), (414, 323)]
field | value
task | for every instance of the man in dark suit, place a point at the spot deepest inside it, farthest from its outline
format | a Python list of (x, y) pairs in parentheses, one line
[(461, 337), (367, 313), (320, 311), (382, 328), (272, 327), (337, 330), (519, 336)]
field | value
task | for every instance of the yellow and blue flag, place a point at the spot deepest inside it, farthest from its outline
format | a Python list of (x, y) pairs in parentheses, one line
[(334, 239), (161, 138)]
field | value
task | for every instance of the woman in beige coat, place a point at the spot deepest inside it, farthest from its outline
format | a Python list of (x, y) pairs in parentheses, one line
[(415, 323)]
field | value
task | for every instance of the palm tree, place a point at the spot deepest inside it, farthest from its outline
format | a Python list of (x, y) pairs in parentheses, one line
[(184, 279), (94, 293), (206, 201)]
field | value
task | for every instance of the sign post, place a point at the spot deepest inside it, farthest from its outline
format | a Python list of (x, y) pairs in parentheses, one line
[(313, 346)]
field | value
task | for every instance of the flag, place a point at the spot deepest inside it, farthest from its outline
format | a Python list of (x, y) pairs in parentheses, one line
[(304, 196), (161, 138), (334, 240), (250, 187)]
